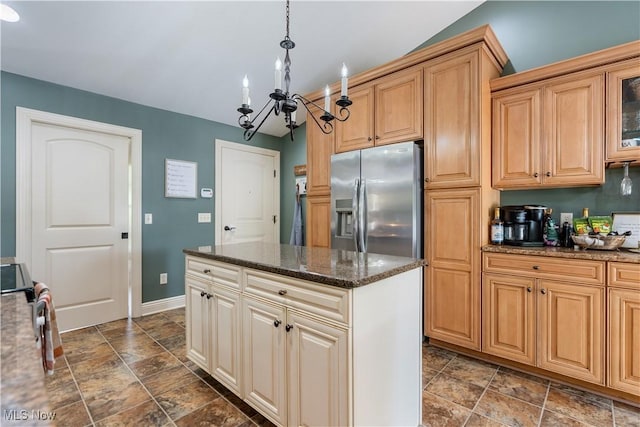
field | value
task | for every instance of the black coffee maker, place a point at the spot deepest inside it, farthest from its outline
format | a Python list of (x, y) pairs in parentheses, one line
[(523, 225)]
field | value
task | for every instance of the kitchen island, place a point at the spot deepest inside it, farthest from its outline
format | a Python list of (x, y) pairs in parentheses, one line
[(309, 336)]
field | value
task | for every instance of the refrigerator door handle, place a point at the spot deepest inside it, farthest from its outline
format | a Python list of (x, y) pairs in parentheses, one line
[(362, 213), (355, 213)]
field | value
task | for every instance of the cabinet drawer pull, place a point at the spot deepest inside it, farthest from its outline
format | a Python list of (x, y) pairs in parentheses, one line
[(529, 289), (276, 323), (288, 327), (282, 292), (543, 291), (536, 267), (207, 271)]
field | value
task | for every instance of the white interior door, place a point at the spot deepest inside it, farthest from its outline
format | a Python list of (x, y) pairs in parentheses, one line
[(80, 208), (247, 194)]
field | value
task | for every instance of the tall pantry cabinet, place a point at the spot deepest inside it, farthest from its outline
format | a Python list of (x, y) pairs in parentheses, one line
[(458, 194)]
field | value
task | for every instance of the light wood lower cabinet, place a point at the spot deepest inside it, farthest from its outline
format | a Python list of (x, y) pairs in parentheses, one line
[(318, 229), (540, 311), (624, 327)]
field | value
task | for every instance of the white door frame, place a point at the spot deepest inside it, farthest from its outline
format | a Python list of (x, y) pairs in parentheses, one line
[(219, 145), (25, 118)]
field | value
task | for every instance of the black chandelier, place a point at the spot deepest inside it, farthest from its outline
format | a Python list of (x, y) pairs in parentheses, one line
[(288, 104)]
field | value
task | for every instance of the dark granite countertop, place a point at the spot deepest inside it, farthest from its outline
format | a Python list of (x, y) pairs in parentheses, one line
[(332, 267), (22, 378), (620, 255)]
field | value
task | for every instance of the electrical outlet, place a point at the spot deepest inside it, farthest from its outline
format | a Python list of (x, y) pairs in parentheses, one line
[(163, 278), (204, 217), (566, 217)]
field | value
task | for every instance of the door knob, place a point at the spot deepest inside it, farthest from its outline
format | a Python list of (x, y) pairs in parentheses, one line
[(229, 227)]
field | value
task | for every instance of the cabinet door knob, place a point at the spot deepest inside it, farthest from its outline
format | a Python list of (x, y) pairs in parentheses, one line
[(535, 175), (369, 139), (282, 292), (543, 291), (548, 174), (202, 293), (288, 327), (209, 296), (276, 323), (426, 180), (377, 137), (529, 289), (536, 267), (207, 271)]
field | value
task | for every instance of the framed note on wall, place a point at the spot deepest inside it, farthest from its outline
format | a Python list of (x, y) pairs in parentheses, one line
[(181, 179)]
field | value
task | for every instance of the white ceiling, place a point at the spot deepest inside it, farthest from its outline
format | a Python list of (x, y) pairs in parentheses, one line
[(190, 56)]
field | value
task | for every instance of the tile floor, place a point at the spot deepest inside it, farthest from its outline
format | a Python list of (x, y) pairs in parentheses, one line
[(135, 372)]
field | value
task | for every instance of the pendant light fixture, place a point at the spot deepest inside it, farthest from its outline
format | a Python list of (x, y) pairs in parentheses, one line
[(280, 101)]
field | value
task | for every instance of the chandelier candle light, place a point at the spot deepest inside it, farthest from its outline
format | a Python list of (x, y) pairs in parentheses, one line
[(281, 101)]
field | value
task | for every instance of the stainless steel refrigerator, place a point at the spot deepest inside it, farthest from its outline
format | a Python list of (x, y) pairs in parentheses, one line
[(376, 200)]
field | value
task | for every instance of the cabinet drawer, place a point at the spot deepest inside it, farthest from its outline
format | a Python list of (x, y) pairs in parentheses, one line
[(624, 275), (326, 301), (574, 270), (219, 273)]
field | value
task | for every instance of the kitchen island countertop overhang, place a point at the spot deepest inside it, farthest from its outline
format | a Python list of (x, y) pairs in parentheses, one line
[(332, 267)]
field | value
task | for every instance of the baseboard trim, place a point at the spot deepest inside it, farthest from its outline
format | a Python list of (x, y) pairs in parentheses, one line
[(163, 305)]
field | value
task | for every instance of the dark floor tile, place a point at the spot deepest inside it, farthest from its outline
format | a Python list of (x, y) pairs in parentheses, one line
[(471, 370), (165, 330), (151, 320), (519, 385), (458, 391), (476, 420), (154, 364), (90, 367), (427, 375), (88, 352), (219, 413), (74, 414), (507, 410), (146, 414), (136, 347), (583, 406), (120, 329), (62, 389), (626, 415), (168, 379), (554, 419), (184, 400), (436, 358), (437, 412), (261, 421), (177, 345), (175, 315), (112, 402)]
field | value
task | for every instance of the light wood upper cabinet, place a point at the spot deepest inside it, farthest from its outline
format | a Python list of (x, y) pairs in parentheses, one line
[(550, 134), (623, 112), (384, 111), (319, 151), (573, 120)]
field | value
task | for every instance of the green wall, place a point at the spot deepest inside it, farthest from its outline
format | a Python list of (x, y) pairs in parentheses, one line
[(164, 135)]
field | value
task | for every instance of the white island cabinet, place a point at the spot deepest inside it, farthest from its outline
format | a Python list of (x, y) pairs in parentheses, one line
[(309, 336)]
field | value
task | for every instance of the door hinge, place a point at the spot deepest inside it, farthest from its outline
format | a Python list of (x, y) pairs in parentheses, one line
[(275, 218)]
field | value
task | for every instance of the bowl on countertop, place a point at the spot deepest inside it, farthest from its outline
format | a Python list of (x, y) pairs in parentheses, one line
[(605, 243)]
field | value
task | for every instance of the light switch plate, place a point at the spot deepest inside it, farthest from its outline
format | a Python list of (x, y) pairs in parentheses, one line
[(204, 217), (148, 218), (163, 278)]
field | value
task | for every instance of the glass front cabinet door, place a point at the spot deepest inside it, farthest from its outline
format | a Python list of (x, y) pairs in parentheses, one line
[(623, 112)]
